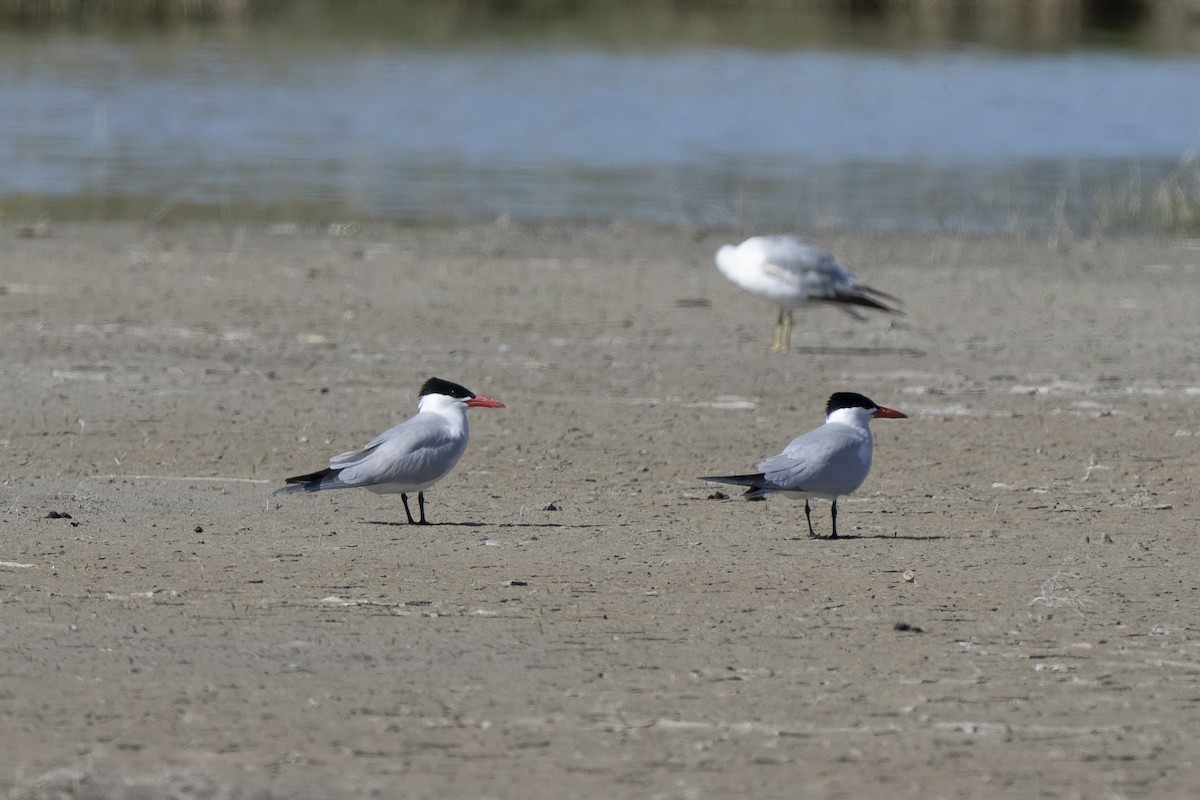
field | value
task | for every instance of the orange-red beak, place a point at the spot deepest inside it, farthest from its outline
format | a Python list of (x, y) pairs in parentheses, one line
[(888, 413), (481, 401)]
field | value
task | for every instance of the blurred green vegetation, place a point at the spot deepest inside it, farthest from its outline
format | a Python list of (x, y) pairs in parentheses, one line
[(1133, 206), (1024, 25), (1168, 206)]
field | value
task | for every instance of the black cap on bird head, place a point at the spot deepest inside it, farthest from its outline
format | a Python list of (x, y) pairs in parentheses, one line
[(839, 400), (439, 386)]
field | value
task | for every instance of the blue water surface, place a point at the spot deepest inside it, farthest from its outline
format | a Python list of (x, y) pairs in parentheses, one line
[(965, 140)]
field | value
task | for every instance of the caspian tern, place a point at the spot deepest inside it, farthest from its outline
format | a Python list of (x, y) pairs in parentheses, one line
[(829, 461), (409, 457), (790, 272)]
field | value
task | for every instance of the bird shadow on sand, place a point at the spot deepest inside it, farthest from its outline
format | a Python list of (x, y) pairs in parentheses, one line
[(847, 536), (472, 524), (900, 352)]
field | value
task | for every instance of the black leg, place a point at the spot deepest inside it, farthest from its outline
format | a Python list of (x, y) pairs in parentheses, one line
[(408, 513), (421, 503), (808, 516), (833, 513)]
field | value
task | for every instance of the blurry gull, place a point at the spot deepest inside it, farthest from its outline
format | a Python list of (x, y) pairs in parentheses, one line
[(790, 272)]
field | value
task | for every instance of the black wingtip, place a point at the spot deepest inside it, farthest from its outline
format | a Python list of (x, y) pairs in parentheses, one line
[(863, 300), (736, 480), (312, 477)]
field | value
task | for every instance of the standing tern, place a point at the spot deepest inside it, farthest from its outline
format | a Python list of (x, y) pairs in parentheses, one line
[(789, 272), (409, 457), (828, 461)]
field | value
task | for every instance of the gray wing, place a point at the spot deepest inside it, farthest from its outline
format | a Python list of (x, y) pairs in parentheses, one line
[(800, 260), (819, 273), (416, 452), (353, 456), (825, 461)]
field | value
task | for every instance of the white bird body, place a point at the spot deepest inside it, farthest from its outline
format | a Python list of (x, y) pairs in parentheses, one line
[(829, 462), (790, 273), (409, 457)]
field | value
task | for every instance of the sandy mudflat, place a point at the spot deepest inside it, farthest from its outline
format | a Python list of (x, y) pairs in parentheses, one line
[(185, 635)]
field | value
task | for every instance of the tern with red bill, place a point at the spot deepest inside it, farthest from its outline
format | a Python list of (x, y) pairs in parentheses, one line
[(409, 457), (790, 272), (829, 461)]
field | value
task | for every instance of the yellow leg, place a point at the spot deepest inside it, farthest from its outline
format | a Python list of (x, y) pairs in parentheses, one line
[(779, 345), (783, 332)]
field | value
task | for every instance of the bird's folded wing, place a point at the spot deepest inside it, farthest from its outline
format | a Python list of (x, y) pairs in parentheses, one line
[(399, 432), (795, 255), (410, 454), (352, 457), (787, 472), (829, 282), (783, 274), (393, 432), (805, 457)]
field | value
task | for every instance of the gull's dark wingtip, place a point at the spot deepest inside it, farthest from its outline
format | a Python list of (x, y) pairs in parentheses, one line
[(880, 293), (861, 298)]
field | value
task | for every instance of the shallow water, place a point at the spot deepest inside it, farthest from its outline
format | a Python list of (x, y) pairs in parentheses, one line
[(966, 140)]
